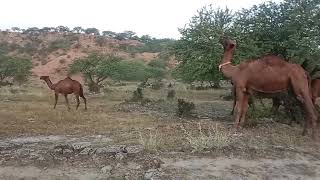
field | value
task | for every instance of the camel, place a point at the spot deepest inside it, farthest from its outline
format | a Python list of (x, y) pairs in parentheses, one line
[(266, 76), (315, 89), (65, 87)]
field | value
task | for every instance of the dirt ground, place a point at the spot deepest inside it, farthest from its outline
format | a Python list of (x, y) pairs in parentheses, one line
[(116, 139)]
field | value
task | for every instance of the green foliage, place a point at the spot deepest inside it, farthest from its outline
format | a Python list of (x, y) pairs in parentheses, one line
[(14, 67), (198, 50), (158, 63), (137, 71), (95, 66), (289, 29), (93, 31)]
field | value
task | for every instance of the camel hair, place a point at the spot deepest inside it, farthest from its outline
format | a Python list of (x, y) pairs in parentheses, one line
[(65, 87), (266, 76)]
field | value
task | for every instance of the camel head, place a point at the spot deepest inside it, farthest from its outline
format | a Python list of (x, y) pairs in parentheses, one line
[(44, 77), (228, 43)]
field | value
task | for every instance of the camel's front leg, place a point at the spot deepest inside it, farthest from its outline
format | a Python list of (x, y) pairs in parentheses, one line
[(239, 106), (245, 106), (67, 101), (56, 95)]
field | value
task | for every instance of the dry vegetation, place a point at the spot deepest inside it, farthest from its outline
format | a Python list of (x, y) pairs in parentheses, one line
[(27, 111)]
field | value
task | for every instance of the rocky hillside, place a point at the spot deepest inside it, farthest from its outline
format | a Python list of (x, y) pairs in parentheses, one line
[(52, 52)]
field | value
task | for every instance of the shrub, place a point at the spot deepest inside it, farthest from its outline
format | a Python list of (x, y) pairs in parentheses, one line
[(62, 61), (171, 94), (151, 142), (137, 95), (43, 62), (185, 108)]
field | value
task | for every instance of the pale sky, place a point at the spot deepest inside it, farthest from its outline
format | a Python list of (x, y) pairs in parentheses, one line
[(158, 18)]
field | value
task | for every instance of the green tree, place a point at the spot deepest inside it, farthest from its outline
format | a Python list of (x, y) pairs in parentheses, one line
[(96, 68), (93, 31), (78, 30), (109, 34), (198, 50), (14, 68), (290, 29)]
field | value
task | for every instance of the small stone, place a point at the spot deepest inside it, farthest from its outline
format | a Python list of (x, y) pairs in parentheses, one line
[(106, 169), (152, 174), (120, 156)]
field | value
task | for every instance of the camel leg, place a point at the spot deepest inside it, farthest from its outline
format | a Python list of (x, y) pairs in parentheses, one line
[(234, 101), (85, 101), (67, 101), (245, 107), (78, 101), (304, 97), (56, 95), (239, 107)]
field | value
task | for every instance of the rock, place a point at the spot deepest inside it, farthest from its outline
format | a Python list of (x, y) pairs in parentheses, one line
[(106, 169), (80, 146), (119, 156), (152, 174), (87, 151)]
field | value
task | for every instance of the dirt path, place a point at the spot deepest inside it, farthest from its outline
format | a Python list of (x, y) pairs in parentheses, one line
[(94, 157)]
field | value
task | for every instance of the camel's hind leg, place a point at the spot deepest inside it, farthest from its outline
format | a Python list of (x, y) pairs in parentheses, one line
[(302, 92), (82, 96), (67, 101), (85, 102), (56, 96), (78, 101)]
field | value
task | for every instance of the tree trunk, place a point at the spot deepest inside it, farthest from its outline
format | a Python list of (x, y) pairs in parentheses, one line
[(94, 87)]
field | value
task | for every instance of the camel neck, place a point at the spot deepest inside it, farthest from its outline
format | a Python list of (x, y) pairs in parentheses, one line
[(228, 69), (49, 83)]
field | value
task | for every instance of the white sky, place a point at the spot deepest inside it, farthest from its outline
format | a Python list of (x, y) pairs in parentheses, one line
[(158, 18)]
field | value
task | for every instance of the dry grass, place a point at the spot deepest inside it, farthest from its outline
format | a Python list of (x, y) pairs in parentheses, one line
[(151, 141), (28, 111), (214, 138)]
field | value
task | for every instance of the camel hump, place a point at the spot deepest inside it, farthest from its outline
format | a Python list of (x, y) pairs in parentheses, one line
[(273, 60), (68, 77)]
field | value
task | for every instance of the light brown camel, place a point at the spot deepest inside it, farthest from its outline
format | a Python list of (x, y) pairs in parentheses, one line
[(266, 76), (65, 87)]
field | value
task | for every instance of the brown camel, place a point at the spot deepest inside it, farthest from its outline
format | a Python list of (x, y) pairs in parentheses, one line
[(267, 76), (65, 87), (315, 89)]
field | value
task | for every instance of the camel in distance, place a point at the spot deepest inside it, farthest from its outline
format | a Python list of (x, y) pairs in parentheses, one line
[(65, 87), (266, 76)]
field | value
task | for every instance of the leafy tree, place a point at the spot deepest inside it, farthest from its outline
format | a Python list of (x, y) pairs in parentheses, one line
[(109, 34), (137, 71), (63, 29), (93, 31), (96, 68), (199, 51), (289, 29), (14, 68), (15, 29), (158, 63), (78, 30)]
